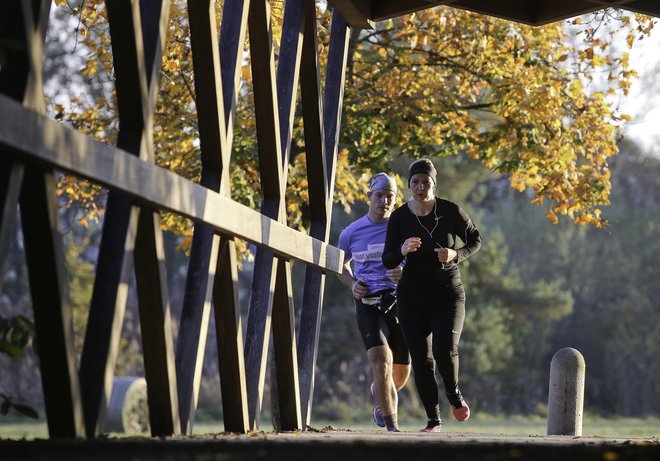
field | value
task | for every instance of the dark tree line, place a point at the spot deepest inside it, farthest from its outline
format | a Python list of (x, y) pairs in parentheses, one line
[(534, 288)]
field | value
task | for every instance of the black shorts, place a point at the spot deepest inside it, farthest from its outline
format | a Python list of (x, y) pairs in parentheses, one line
[(378, 329)]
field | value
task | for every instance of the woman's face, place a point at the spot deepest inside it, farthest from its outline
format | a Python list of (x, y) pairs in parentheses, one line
[(422, 187)]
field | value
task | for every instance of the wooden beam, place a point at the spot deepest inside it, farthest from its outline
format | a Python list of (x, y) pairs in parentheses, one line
[(356, 14), (31, 137)]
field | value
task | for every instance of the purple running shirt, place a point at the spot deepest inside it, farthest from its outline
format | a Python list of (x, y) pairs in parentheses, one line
[(363, 242)]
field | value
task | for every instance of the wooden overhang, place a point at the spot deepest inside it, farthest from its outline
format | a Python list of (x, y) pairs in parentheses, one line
[(363, 14)]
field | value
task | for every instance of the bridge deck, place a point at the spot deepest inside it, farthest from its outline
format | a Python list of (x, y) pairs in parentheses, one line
[(339, 445)]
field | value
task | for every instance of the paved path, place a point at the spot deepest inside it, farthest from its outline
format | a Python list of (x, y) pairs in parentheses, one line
[(339, 445)]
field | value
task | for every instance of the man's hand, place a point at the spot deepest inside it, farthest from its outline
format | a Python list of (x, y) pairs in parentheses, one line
[(359, 289), (395, 274)]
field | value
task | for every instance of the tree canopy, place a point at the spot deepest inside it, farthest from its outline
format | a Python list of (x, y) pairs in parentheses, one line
[(522, 100)]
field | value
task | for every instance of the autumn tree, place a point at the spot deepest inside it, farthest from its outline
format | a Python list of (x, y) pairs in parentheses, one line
[(438, 82), (520, 99)]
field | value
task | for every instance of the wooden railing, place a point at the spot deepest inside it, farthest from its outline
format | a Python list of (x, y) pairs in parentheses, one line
[(32, 146)]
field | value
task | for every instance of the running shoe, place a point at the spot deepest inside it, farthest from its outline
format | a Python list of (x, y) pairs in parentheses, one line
[(378, 417), (432, 426), (462, 412)]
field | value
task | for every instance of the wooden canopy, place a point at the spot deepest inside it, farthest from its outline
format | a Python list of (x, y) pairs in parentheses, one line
[(363, 13)]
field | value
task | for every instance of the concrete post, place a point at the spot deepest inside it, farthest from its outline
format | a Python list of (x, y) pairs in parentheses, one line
[(566, 394), (128, 410)]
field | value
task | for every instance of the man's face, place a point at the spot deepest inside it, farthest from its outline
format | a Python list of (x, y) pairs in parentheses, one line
[(381, 202)]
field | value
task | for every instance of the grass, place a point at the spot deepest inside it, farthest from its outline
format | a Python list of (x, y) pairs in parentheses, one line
[(482, 424)]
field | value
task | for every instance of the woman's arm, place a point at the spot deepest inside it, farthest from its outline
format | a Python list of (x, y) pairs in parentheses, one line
[(392, 256), (468, 233)]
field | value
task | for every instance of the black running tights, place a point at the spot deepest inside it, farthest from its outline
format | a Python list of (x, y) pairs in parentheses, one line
[(432, 324)]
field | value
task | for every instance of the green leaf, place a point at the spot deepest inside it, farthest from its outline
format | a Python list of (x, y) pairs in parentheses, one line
[(26, 410)]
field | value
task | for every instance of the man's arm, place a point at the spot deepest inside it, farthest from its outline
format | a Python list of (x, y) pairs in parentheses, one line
[(395, 274), (357, 287)]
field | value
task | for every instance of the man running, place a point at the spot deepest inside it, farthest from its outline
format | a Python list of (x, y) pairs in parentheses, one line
[(373, 286)]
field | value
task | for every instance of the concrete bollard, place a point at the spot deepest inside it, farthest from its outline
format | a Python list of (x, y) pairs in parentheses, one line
[(128, 410), (566, 393)]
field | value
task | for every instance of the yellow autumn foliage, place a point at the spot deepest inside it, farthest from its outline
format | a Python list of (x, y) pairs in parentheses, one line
[(438, 82)]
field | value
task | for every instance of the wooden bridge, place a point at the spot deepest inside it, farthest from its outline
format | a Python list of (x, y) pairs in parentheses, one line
[(32, 147)]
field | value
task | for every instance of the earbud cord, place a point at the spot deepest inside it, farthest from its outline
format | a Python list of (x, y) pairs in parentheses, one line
[(437, 218), (435, 214)]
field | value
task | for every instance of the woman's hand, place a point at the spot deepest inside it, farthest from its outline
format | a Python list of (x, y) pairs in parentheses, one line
[(446, 255), (411, 245), (359, 289)]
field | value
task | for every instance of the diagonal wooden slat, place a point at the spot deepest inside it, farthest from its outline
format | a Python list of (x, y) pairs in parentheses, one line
[(52, 311), (229, 336), (203, 260), (232, 38), (15, 82), (216, 123), (266, 109), (156, 326), (273, 180), (195, 312), (136, 30), (137, 46), (284, 348), (287, 416), (107, 309), (312, 301), (288, 69), (114, 264), (312, 104), (257, 335), (25, 23), (11, 178), (135, 121)]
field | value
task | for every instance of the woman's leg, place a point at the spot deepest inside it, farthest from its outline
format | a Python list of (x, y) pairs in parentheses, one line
[(447, 326), (415, 326)]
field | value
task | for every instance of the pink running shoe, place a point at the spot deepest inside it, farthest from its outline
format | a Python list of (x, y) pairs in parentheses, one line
[(432, 426), (461, 413)]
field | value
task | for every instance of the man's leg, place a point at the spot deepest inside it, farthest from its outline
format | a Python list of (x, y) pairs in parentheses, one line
[(380, 358)]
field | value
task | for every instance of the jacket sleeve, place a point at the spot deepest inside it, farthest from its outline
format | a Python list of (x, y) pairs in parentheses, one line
[(392, 256), (468, 233)]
